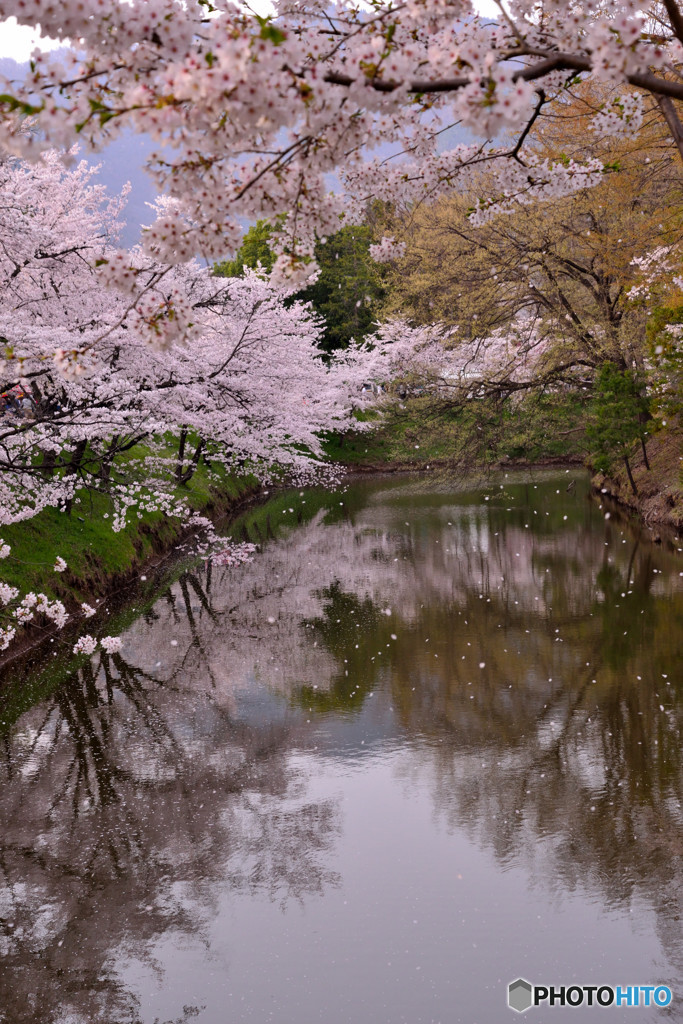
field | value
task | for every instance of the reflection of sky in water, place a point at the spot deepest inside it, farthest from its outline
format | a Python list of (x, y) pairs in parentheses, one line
[(401, 758), (422, 926)]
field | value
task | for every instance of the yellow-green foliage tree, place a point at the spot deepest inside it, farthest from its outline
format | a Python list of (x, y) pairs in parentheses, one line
[(567, 263)]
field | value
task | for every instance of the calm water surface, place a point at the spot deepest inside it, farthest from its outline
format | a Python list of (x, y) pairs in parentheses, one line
[(427, 742)]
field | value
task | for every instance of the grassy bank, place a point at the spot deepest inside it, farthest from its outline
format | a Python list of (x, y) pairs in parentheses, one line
[(29, 674), (99, 560)]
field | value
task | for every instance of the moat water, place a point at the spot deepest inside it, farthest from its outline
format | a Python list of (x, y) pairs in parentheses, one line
[(426, 742)]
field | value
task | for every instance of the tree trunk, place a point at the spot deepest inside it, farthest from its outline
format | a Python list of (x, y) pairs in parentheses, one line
[(74, 463), (108, 458), (181, 455), (630, 475), (645, 458), (666, 105), (187, 475), (37, 395), (48, 464)]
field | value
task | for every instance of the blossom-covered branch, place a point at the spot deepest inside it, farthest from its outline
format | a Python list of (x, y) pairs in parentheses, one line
[(253, 112)]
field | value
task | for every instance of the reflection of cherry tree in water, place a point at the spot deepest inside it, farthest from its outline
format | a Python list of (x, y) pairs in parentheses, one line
[(589, 795), (123, 798), (354, 630), (556, 738), (560, 745), (151, 775), (581, 777)]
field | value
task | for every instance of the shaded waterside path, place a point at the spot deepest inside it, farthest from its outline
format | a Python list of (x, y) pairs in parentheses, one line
[(428, 741)]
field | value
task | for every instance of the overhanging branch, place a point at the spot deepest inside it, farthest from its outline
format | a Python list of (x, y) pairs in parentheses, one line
[(553, 61)]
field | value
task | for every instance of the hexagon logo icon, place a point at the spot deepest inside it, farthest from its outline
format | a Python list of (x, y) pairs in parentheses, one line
[(520, 996)]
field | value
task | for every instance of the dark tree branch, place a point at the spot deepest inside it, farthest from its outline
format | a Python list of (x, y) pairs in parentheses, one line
[(549, 62), (665, 104), (675, 17)]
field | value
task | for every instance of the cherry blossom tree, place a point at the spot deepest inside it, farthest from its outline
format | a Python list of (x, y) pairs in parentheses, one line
[(236, 364), (251, 382), (253, 112), (236, 368), (54, 226), (432, 359)]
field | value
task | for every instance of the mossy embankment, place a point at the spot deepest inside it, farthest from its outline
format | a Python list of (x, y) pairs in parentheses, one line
[(102, 563), (98, 558), (659, 497)]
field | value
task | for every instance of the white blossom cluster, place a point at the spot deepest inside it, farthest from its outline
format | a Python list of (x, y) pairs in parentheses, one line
[(437, 360), (141, 497), (23, 495), (8, 593), (7, 635), (657, 267), (111, 644), (387, 250), (207, 543), (32, 607), (88, 644), (622, 115), (535, 182), (85, 645), (234, 554)]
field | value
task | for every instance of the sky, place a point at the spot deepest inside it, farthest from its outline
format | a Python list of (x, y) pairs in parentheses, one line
[(18, 42)]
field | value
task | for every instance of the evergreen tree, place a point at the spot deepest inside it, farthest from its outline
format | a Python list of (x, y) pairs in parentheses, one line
[(348, 291), (618, 419), (253, 250)]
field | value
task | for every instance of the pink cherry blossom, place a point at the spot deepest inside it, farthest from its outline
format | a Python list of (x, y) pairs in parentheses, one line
[(251, 116)]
